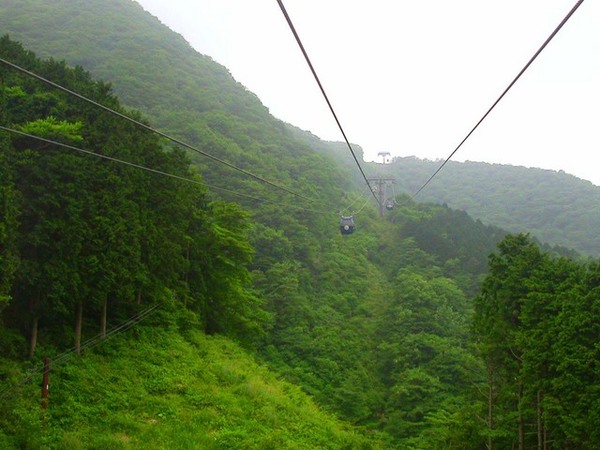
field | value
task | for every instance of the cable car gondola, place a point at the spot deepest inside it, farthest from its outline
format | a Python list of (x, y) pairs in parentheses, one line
[(389, 205), (347, 225)]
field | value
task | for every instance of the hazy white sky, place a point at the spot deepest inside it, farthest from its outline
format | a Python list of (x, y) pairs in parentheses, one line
[(414, 77)]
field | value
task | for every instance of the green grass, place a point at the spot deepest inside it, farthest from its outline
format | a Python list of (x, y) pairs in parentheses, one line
[(157, 390)]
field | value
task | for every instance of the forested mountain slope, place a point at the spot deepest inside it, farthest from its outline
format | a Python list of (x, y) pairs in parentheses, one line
[(376, 326)]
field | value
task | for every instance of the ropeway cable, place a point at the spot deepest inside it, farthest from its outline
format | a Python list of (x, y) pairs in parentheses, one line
[(356, 200), (556, 30), (312, 69)]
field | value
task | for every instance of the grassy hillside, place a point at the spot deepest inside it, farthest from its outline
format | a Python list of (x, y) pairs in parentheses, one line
[(151, 388)]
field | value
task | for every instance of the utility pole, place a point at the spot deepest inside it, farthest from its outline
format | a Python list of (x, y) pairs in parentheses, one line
[(45, 387)]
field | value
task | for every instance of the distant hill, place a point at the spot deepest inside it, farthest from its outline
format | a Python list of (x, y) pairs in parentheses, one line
[(554, 206)]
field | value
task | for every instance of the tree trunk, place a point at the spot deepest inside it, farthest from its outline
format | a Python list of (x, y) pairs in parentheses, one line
[(33, 336), (138, 298), (521, 424), (490, 445), (540, 432), (103, 314), (78, 327)]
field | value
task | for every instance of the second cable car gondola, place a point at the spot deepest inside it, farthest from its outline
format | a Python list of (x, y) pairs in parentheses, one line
[(389, 205), (347, 225)]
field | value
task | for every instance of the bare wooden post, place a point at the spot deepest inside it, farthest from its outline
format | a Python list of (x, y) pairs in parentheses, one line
[(45, 383), (45, 387)]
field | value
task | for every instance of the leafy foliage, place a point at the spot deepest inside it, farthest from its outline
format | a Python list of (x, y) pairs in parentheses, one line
[(535, 321), (91, 233)]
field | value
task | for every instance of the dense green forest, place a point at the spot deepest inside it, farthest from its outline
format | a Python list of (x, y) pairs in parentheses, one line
[(404, 334)]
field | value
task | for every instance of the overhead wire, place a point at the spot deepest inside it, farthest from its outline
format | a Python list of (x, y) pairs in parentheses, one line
[(356, 200), (149, 169), (151, 129), (172, 139), (312, 69), (542, 47), (356, 213)]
